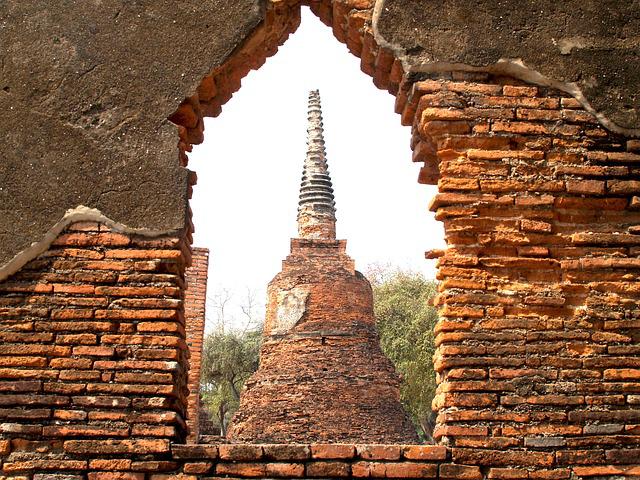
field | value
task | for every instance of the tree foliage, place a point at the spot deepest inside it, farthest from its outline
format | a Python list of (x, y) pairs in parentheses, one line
[(229, 359), (230, 355), (405, 322)]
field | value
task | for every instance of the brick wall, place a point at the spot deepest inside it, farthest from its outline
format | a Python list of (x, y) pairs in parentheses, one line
[(195, 299), (536, 358), (319, 461), (93, 353)]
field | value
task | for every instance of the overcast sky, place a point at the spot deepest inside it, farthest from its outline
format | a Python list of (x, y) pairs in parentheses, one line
[(250, 164)]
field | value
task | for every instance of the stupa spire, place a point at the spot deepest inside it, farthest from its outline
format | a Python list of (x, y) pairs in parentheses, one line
[(316, 208), (322, 373)]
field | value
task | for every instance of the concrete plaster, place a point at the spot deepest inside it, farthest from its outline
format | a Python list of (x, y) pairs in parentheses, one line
[(85, 91), (589, 48)]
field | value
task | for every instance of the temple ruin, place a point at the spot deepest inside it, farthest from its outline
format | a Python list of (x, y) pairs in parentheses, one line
[(322, 376), (524, 114)]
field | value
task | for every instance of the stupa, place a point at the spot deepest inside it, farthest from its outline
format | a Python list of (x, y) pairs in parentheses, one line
[(322, 374)]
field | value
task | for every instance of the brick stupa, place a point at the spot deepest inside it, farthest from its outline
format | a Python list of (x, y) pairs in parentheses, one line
[(322, 375)]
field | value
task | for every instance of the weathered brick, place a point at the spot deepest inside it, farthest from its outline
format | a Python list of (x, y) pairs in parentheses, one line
[(623, 186), (194, 451), (285, 469), (242, 469), (458, 184), (197, 467), (502, 458), (286, 452), (240, 452), (586, 187), (71, 313), (55, 476), (424, 452), (39, 465), (115, 476), (328, 469), (332, 451), (519, 91), (622, 374), (580, 457), (607, 471), (121, 430), (378, 452), (110, 464), (535, 226), (138, 446), (544, 442), (460, 472)]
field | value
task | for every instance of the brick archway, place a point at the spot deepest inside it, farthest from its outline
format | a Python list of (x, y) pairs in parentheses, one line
[(513, 163), (537, 355)]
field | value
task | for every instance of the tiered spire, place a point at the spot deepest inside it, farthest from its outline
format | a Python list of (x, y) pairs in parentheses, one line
[(319, 342), (316, 208)]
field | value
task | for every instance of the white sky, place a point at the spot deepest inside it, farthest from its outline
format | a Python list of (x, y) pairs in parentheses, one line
[(249, 169)]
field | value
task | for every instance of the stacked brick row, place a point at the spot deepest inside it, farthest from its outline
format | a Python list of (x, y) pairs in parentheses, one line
[(92, 353), (195, 299), (536, 359), (318, 461)]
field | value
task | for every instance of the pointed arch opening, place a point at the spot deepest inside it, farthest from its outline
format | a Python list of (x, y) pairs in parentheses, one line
[(512, 161), (351, 24)]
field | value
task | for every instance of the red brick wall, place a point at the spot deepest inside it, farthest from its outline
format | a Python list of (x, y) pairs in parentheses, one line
[(92, 360), (194, 306), (319, 461), (536, 359)]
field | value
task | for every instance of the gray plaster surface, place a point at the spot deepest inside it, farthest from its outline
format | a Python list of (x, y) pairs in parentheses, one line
[(86, 87), (592, 43)]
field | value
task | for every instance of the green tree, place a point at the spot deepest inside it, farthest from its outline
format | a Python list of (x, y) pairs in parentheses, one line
[(229, 356), (228, 360), (405, 322)]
